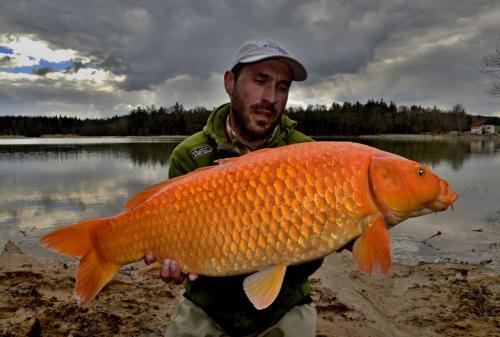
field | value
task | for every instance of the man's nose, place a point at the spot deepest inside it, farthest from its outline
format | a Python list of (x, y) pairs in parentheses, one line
[(269, 94)]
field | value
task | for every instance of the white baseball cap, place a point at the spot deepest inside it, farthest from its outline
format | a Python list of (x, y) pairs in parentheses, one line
[(253, 51)]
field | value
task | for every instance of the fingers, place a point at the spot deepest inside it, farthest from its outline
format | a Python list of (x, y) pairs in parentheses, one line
[(170, 271), (149, 258)]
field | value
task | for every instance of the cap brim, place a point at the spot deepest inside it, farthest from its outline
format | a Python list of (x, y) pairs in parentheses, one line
[(299, 72)]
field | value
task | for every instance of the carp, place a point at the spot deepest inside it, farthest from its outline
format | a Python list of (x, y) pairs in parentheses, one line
[(259, 213)]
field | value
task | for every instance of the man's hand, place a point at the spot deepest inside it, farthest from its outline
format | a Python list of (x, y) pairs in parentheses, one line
[(170, 271)]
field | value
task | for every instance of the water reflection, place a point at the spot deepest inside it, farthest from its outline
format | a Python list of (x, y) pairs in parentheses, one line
[(482, 146), (433, 152), (139, 153), (428, 153), (46, 186)]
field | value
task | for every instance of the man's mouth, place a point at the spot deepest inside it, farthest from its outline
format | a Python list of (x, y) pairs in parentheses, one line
[(264, 113), (264, 109)]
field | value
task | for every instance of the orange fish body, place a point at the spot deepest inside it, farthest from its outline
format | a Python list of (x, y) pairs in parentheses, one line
[(260, 213)]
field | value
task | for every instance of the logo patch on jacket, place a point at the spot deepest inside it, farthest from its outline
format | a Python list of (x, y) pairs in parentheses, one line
[(201, 151)]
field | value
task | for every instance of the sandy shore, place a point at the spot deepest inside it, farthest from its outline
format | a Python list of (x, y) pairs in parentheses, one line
[(424, 300)]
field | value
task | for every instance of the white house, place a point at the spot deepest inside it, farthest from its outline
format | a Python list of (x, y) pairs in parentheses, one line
[(480, 128)]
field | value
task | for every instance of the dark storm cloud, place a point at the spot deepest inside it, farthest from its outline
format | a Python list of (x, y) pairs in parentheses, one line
[(43, 88), (152, 42), (74, 68), (5, 60), (47, 96), (42, 71)]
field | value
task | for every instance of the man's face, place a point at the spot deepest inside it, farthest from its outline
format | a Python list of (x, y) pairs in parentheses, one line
[(258, 97)]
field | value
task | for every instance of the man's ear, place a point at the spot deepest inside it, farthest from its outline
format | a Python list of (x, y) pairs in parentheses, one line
[(229, 82)]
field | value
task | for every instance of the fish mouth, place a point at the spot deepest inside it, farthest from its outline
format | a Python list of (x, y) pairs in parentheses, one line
[(445, 199)]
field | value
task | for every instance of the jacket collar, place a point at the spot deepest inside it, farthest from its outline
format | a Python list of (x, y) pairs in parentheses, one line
[(216, 127)]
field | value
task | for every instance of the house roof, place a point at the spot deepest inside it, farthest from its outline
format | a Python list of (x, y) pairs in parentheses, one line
[(479, 122)]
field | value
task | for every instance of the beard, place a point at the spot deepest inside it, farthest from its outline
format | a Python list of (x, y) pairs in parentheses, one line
[(242, 118)]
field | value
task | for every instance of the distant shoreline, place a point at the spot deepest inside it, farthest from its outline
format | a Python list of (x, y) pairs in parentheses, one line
[(169, 137), (412, 137), (467, 136)]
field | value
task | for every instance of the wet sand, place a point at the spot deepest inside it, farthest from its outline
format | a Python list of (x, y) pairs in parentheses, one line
[(423, 300)]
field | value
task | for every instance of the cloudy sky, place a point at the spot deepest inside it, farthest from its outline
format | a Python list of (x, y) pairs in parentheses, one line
[(100, 58)]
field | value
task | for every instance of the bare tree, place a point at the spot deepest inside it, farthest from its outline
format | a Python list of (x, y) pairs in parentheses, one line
[(490, 65), (460, 117)]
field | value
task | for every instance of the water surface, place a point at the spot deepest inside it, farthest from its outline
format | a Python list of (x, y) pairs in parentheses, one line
[(51, 182)]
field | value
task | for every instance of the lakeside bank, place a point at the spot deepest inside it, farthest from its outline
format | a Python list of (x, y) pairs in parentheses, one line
[(428, 299)]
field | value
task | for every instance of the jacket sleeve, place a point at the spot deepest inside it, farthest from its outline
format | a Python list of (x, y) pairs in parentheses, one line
[(298, 137), (180, 162)]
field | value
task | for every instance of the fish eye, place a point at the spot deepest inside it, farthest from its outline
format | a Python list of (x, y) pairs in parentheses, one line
[(420, 171)]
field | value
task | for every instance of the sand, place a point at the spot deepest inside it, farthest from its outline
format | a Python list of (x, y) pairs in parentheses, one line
[(422, 300)]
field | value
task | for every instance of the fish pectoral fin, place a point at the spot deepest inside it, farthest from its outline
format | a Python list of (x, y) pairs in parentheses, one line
[(148, 268), (263, 287), (372, 250)]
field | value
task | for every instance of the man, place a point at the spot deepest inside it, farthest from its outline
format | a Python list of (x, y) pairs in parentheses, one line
[(258, 85)]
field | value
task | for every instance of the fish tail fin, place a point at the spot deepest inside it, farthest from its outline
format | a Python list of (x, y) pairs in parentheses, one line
[(372, 250), (93, 274), (79, 240)]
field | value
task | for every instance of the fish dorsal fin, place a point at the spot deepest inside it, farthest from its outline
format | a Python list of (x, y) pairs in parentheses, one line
[(372, 250), (146, 194), (152, 190), (247, 155), (223, 161), (263, 287)]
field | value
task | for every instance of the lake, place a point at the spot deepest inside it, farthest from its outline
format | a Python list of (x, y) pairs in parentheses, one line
[(46, 183)]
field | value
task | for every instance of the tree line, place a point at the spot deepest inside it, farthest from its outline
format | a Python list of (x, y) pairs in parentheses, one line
[(347, 119)]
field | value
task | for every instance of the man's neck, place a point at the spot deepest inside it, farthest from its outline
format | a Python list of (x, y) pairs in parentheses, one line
[(240, 142)]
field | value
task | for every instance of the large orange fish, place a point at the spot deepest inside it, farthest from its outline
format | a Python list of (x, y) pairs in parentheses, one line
[(258, 214)]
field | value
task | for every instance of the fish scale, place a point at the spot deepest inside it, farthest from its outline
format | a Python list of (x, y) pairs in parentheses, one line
[(260, 213), (301, 208)]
